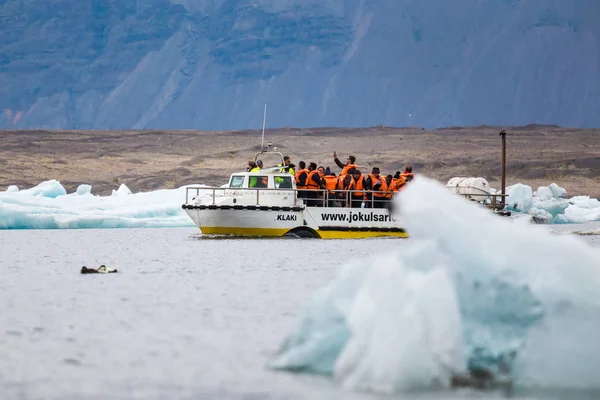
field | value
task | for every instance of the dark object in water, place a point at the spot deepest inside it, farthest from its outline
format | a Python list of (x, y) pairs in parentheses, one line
[(482, 379), (540, 220), (100, 270)]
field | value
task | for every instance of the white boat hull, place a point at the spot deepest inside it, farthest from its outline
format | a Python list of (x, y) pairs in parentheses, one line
[(322, 222)]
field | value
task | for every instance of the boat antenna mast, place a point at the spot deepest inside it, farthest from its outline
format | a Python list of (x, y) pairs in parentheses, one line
[(262, 143)]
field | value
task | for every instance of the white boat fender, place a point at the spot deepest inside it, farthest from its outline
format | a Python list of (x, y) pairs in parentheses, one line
[(103, 269)]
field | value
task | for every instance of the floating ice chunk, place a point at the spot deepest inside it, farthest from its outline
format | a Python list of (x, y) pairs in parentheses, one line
[(421, 346), (584, 202), (577, 214), (551, 205), (29, 209), (323, 332), (519, 197), (560, 219), (12, 189), (122, 190), (528, 301), (552, 199), (557, 191), (51, 189), (543, 192), (84, 189), (541, 216)]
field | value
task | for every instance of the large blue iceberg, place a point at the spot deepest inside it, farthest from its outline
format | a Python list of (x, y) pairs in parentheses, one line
[(471, 291), (48, 206)]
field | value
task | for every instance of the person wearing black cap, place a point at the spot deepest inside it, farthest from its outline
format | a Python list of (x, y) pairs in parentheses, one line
[(377, 196)]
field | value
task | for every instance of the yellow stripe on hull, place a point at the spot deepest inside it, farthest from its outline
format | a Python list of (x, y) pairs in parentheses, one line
[(359, 234), (221, 230), (275, 232)]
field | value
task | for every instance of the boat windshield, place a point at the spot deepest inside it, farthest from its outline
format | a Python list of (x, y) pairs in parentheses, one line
[(283, 182), (236, 181)]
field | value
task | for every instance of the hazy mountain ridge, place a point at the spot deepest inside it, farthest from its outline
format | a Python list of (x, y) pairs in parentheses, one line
[(211, 64)]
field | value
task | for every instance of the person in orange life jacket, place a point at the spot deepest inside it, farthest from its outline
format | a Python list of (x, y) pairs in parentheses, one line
[(408, 175), (360, 186), (398, 182), (330, 181), (322, 188), (313, 184), (408, 172), (388, 183), (350, 163), (376, 197), (345, 182), (321, 173), (300, 178)]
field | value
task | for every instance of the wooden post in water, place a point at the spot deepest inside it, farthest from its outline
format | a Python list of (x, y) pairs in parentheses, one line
[(503, 134)]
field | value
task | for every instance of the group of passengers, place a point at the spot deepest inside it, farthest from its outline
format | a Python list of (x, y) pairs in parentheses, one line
[(320, 186)]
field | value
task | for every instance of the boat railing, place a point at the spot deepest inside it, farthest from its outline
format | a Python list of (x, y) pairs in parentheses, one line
[(334, 198), (310, 197)]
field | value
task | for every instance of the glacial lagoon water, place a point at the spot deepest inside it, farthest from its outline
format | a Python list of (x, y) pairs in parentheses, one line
[(186, 316)]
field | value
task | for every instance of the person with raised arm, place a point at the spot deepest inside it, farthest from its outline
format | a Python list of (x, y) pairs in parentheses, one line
[(350, 163)]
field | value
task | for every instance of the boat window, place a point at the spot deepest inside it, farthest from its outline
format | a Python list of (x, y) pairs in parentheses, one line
[(283, 182), (258, 181), (237, 181)]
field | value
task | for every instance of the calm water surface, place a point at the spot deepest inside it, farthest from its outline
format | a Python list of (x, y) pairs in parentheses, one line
[(185, 318)]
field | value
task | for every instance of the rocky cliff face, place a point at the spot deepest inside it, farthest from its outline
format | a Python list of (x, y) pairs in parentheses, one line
[(212, 64)]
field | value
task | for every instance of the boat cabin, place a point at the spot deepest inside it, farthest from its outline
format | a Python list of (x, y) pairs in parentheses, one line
[(262, 180), (266, 178)]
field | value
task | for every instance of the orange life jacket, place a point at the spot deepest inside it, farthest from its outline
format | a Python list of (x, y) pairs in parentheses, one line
[(382, 188), (405, 174), (302, 171), (330, 182), (310, 183), (358, 185), (347, 167), (389, 189), (342, 186), (397, 183)]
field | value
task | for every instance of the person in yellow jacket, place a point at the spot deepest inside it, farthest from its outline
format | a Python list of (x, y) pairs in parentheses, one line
[(286, 163), (255, 167)]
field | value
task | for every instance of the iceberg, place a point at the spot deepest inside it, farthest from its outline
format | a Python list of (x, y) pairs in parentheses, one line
[(470, 293), (48, 206), (551, 205)]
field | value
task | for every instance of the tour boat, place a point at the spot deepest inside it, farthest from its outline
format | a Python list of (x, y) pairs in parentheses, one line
[(268, 204)]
